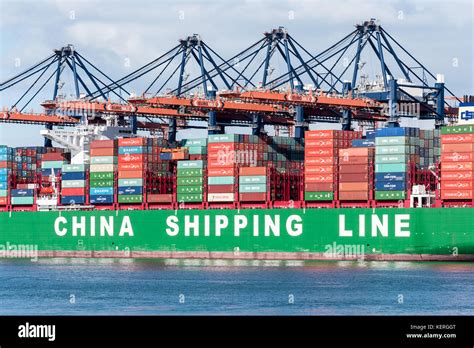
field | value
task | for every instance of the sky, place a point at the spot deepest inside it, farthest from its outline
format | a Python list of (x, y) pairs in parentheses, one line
[(119, 36)]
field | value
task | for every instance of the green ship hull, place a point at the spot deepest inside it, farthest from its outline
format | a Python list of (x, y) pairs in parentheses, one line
[(299, 234)]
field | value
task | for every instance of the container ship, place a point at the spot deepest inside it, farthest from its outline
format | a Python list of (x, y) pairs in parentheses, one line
[(382, 192)]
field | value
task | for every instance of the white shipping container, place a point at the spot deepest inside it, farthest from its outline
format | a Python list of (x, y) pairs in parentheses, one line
[(220, 197), (102, 168)]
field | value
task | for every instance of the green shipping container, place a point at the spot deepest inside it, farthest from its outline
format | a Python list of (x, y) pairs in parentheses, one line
[(69, 168), (197, 150), (257, 179), (101, 183), (195, 142), (197, 180), (130, 198), (190, 189), (318, 196), (220, 180), (104, 160), (389, 195), (101, 175), (246, 188), (223, 138), (189, 197), (130, 182), (190, 172), (380, 159), (3, 193), (73, 183), (190, 164), (22, 200), (392, 150), (390, 168), (384, 141), (466, 129)]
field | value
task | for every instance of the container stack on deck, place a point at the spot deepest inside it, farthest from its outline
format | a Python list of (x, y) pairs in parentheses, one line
[(6, 159), (103, 159), (132, 160), (395, 149), (190, 183), (23, 194), (321, 161), (197, 148), (457, 157), (73, 184), (253, 185), (355, 167)]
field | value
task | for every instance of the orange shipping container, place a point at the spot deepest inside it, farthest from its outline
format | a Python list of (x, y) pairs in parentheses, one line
[(232, 171), (132, 141), (354, 196), (221, 164), (318, 187), (457, 156), (323, 134), (353, 186), (250, 171), (328, 152), (457, 138), (159, 198), (77, 191), (3, 200), (130, 174), (356, 168), (456, 185), (356, 152), (102, 152), (467, 147), (457, 166), (315, 161), (347, 161), (131, 158), (319, 170), (216, 147), (456, 176), (97, 144), (456, 194), (131, 166), (316, 143), (315, 178)]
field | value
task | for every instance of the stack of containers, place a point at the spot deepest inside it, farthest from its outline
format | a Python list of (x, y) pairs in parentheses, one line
[(253, 184), (6, 158), (321, 158), (222, 163), (197, 148), (73, 184), (368, 141), (430, 148), (23, 195), (103, 163), (457, 157), (132, 161), (395, 150), (190, 181), (354, 169)]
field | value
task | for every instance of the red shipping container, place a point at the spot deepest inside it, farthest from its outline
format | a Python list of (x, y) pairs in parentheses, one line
[(132, 158), (354, 160), (315, 178), (466, 147), (231, 171), (318, 187), (356, 152), (77, 191), (131, 166), (323, 134), (326, 152), (221, 147), (315, 161), (353, 177), (130, 174), (456, 185), (318, 170), (456, 194), (458, 157), (354, 196), (457, 138), (220, 188), (5, 164), (3, 200), (102, 152), (317, 143), (353, 186), (456, 176), (224, 163), (159, 198), (132, 142), (53, 156), (356, 168), (457, 166), (251, 171), (98, 144), (253, 197)]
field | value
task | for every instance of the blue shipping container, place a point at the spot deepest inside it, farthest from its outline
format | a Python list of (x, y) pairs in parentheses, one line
[(4, 171), (47, 172), (3, 177), (390, 186), (101, 199), (22, 193), (130, 190), (123, 150), (390, 176), (363, 143), (397, 132), (101, 191), (73, 176), (73, 200), (370, 135), (166, 156)]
